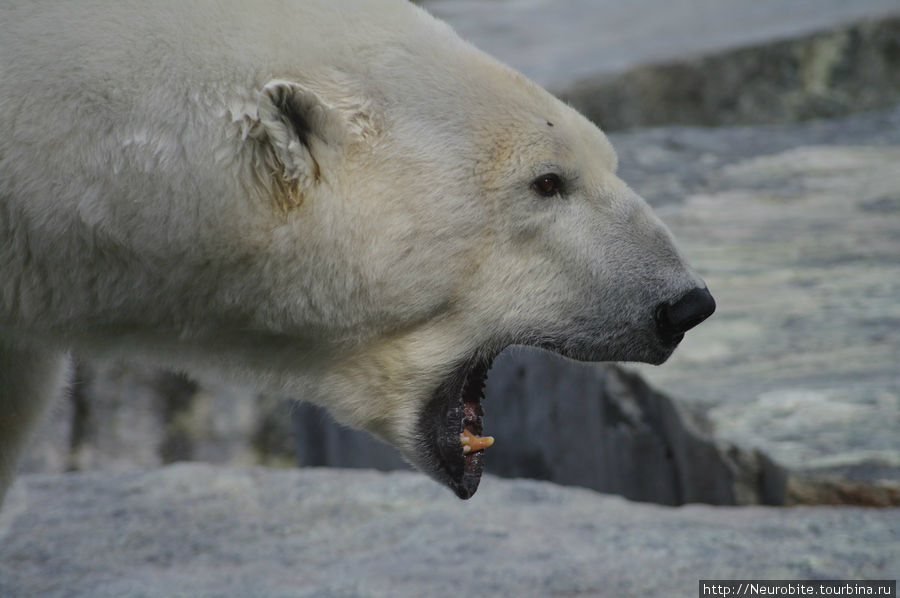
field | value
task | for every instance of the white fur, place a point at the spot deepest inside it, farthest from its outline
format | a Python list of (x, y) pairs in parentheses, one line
[(154, 203)]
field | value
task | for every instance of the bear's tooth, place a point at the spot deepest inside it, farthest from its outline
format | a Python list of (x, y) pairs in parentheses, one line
[(470, 442)]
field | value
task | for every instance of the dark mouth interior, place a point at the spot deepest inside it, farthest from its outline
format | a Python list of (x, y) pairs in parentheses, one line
[(457, 406), (472, 412), (470, 398)]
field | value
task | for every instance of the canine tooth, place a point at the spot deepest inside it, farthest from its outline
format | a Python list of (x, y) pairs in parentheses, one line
[(470, 442), (484, 441)]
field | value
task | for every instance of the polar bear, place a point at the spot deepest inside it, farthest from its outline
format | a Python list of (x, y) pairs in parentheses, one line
[(336, 199)]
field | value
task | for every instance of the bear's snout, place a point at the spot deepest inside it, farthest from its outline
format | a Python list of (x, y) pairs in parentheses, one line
[(674, 319)]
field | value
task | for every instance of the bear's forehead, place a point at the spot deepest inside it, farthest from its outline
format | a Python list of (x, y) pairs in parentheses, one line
[(531, 143), (447, 90), (487, 100)]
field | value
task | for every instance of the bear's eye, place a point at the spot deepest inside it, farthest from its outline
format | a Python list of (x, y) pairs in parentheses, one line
[(547, 185)]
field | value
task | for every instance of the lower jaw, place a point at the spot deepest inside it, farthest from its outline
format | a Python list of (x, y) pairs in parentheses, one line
[(465, 488), (455, 407)]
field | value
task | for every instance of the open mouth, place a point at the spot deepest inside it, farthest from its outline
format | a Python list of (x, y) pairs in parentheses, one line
[(453, 424)]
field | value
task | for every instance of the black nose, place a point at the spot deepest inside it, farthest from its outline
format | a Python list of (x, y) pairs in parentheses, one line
[(673, 320)]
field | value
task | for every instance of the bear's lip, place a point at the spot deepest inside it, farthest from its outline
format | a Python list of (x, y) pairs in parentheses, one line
[(455, 406)]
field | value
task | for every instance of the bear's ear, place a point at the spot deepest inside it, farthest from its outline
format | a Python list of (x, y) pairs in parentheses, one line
[(300, 128)]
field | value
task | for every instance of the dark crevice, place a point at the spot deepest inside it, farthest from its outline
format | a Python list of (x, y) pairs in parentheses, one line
[(81, 414), (177, 393)]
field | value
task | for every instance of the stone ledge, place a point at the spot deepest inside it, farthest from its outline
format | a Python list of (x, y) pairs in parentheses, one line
[(204, 531), (826, 74)]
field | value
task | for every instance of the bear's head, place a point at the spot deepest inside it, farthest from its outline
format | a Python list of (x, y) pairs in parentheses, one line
[(432, 207)]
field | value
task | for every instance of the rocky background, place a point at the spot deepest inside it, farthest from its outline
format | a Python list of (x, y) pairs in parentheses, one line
[(200, 531), (775, 159)]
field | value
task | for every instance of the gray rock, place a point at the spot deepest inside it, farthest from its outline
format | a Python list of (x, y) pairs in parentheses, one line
[(603, 428), (200, 531), (841, 71), (121, 416), (576, 424), (583, 425), (321, 442), (797, 231), (560, 42), (652, 62), (809, 489), (112, 417)]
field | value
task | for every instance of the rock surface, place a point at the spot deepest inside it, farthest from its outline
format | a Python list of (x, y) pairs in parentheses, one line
[(586, 425), (200, 531), (797, 231), (654, 62), (120, 416), (558, 42), (844, 70), (595, 426)]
